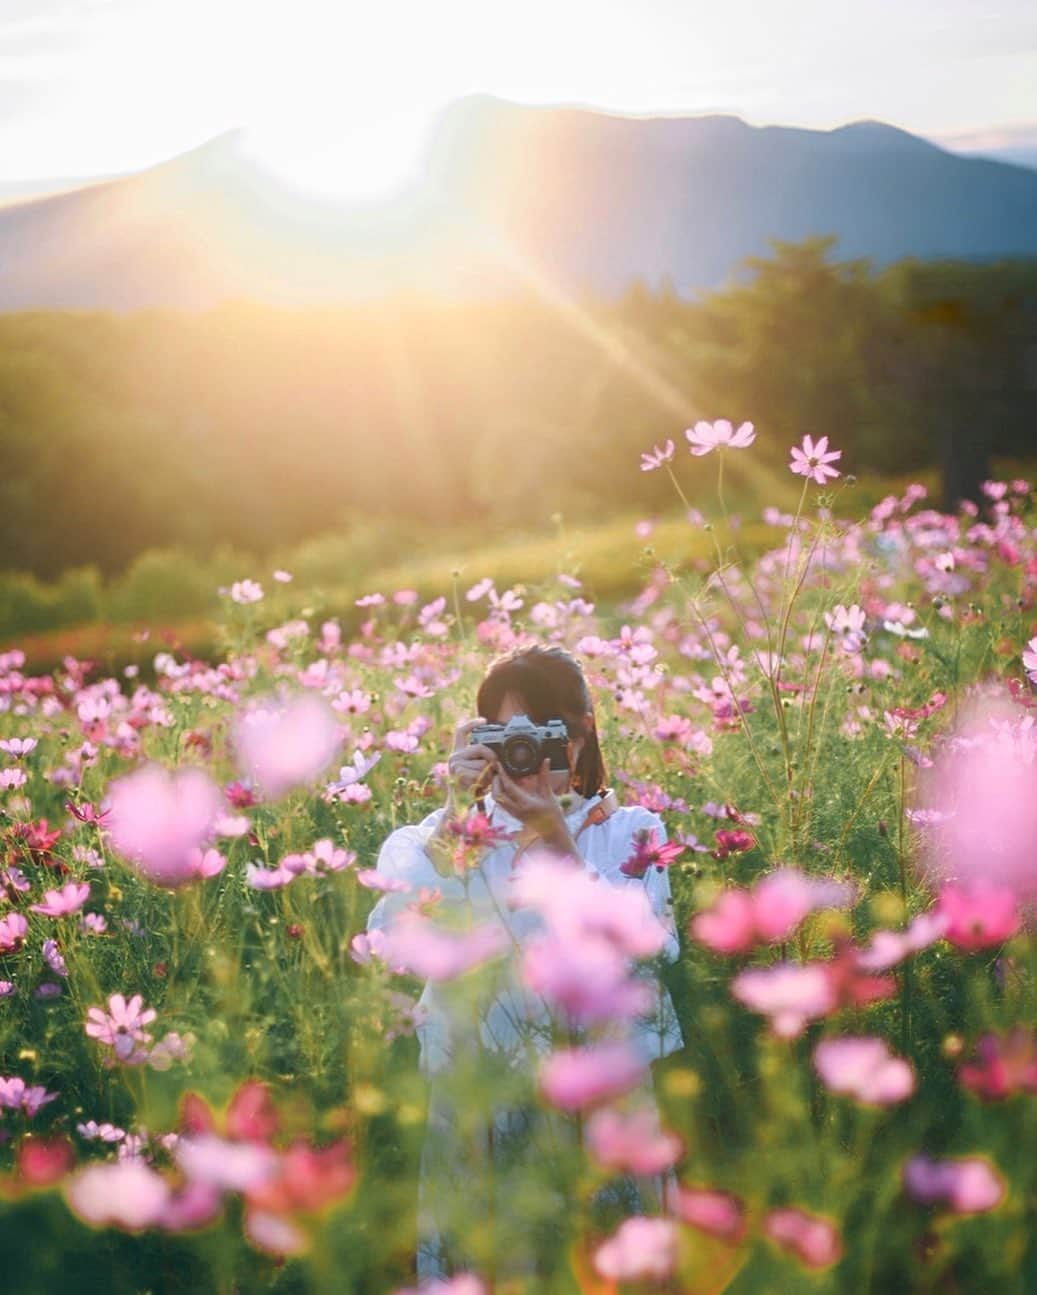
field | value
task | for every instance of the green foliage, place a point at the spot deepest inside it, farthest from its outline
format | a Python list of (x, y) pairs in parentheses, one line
[(261, 428)]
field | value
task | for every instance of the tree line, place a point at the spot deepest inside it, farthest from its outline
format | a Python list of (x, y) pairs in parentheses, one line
[(258, 427)]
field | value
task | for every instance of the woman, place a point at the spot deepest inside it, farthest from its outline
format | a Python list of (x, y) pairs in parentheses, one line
[(475, 1038)]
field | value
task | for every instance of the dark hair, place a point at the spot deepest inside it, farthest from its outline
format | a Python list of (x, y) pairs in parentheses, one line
[(550, 684)]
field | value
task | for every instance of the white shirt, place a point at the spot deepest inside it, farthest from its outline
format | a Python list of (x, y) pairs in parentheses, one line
[(506, 1024)]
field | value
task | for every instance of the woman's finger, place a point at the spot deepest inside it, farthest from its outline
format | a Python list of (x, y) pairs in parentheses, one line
[(462, 730)]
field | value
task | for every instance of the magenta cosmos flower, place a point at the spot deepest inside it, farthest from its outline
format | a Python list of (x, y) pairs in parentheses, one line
[(704, 437), (813, 461)]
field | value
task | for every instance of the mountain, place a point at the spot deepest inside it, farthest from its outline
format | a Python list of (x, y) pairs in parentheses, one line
[(570, 198)]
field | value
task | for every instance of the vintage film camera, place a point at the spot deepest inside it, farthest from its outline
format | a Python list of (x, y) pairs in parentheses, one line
[(522, 746)]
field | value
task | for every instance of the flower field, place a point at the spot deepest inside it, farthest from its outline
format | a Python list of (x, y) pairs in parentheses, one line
[(209, 1066)]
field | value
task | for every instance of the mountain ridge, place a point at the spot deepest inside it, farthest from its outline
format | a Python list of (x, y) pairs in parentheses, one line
[(589, 200)]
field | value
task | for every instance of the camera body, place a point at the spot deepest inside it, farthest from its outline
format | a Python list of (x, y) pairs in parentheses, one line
[(522, 746)]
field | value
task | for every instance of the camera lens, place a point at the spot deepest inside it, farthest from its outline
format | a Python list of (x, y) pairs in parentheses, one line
[(521, 756)]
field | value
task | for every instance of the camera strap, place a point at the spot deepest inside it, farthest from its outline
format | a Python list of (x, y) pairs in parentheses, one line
[(598, 813)]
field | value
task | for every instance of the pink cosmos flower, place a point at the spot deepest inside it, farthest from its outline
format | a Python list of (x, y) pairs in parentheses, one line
[(11, 779), (286, 744), (12, 932), (641, 1249), (704, 437), (718, 1213), (969, 1185), (353, 773), (17, 1095), (432, 953), (887, 948), (574, 1079), (981, 783), (1004, 1065), (124, 1193), (21, 746), (657, 457), (373, 880), (59, 903), (205, 863), (283, 577), (260, 878), (52, 957), (121, 1028), (978, 915), (246, 591), (368, 945), (159, 818), (632, 1143), (813, 461), (104, 1132), (864, 1068), (813, 1240)]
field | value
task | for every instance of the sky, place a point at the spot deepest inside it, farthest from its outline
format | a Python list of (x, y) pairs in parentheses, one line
[(91, 87)]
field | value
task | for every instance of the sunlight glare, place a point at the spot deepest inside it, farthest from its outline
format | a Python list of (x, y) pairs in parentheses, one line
[(367, 161)]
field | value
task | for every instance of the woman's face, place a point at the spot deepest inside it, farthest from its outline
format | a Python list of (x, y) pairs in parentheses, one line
[(513, 705)]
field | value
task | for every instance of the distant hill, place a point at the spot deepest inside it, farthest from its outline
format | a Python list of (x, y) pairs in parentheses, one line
[(578, 199)]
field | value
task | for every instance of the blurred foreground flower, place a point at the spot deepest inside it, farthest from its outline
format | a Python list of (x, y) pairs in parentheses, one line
[(126, 1193), (720, 1214), (966, 1186), (430, 952), (575, 1079), (632, 1143), (640, 1249), (813, 1240), (1004, 1065), (739, 919), (159, 820), (978, 915), (981, 785), (864, 1068), (283, 744)]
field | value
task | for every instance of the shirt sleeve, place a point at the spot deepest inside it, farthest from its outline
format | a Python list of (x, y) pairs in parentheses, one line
[(403, 859)]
